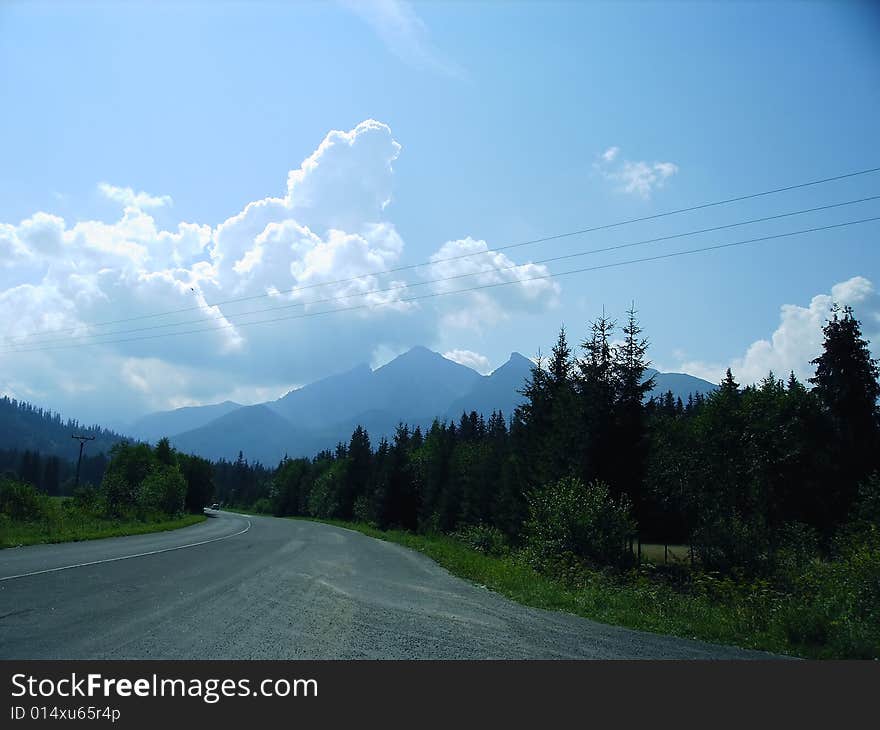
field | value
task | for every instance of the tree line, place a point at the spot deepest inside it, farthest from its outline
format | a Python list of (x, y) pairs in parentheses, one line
[(49, 473)]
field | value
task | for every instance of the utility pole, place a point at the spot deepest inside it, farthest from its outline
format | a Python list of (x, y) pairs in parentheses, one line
[(82, 442)]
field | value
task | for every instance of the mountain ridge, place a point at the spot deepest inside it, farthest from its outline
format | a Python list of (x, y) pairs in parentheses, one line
[(416, 387)]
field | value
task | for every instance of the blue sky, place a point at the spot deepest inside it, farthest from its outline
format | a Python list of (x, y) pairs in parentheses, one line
[(502, 112)]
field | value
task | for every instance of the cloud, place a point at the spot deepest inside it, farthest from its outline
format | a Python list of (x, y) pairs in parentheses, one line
[(798, 338), (469, 358), (129, 198), (289, 260), (610, 154), (635, 178), (404, 33), (528, 287)]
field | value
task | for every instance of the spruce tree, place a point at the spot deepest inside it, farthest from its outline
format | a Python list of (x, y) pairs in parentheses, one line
[(596, 390), (846, 386), (164, 452), (629, 438), (357, 474)]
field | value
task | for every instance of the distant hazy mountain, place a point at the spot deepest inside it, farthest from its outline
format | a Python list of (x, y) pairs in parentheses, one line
[(417, 383), (326, 401), (681, 384), (421, 383), (154, 426), (414, 388), (257, 431), (498, 391)]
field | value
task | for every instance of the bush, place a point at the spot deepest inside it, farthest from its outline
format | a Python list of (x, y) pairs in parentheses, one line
[(163, 490), (484, 539), (798, 548), (119, 495), (867, 505), (725, 542), (323, 501), (263, 506), (87, 499), (836, 605), (364, 510), (584, 521), (23, 502)]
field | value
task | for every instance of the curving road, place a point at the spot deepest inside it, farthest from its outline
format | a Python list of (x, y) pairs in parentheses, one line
[(239, 587)]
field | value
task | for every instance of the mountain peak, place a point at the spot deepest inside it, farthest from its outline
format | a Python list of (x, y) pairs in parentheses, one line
[(414, 357), (419, 351)]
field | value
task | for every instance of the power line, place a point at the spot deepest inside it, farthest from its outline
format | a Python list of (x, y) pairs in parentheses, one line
[(493, 285), (16, 341), (545, 239)]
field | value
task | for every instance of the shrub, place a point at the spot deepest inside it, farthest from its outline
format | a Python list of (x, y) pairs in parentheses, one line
[(836, 604), (323, 501), (163, 490), (725, 542), (484, 539), (568, 517), (263, 505), (364, 510), (798, 548), (86, 499), (867, 505), (119, 495), (21, 501)]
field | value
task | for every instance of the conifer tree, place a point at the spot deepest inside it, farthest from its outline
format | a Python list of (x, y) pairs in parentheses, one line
[(164, 452), (629, 438), (596, 390), (846, 386), (357, 474)]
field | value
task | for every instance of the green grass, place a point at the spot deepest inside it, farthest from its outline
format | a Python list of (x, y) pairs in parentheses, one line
[(75, 527)]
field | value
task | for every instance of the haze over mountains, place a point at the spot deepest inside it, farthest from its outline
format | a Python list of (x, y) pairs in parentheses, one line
[(415, 388)]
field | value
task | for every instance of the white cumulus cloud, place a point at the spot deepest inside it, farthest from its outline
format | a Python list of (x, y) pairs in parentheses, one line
[(501, 286), (469, 358), (798, 338), (129, 198)]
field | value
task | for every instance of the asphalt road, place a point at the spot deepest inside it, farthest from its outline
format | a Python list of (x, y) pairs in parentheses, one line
[(238, 587)]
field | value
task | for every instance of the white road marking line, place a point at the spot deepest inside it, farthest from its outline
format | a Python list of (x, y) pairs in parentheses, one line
[(127, 557)]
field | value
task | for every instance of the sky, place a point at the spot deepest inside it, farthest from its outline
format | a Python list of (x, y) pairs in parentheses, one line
[(215, 159)]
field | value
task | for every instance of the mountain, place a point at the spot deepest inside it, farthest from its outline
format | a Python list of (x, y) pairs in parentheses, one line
[(154, 426), (498, 391), (421, 383), (24, 426), (257, 431), (681, 384), (327, 401), (414, 388)]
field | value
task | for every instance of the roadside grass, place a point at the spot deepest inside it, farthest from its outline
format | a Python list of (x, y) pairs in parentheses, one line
[(68, 526)]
